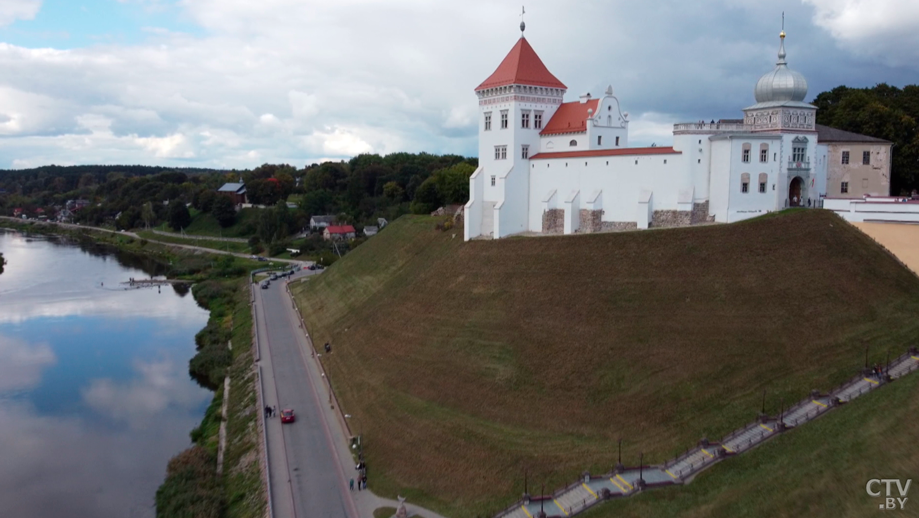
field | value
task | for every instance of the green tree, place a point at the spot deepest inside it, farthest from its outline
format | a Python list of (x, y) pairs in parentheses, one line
[(393, 192), (427, 198), (179, 217), (204, 200), (224, 211)]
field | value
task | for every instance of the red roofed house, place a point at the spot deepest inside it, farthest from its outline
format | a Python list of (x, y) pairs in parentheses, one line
[(549, 166), (339, 233)]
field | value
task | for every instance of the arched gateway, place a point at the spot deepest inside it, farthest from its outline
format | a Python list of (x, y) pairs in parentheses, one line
[(794, 192)]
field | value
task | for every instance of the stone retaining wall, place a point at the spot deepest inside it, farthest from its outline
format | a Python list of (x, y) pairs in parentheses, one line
[(618, 226), (671, 218), (553, 221), (700, 213), (591, 221)]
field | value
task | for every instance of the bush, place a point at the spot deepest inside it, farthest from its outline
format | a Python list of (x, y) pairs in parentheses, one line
[(278, 248), (209, 366), (192, 488)]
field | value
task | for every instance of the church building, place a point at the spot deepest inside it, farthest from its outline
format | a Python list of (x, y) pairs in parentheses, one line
[(554, 167)]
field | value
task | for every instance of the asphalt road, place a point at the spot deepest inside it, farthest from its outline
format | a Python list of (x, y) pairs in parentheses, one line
[(306, 476)]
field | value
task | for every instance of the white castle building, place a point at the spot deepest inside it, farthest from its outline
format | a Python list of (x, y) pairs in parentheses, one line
[(549, 166)]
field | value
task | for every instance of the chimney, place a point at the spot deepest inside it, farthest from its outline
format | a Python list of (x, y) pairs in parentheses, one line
[(585, 98)]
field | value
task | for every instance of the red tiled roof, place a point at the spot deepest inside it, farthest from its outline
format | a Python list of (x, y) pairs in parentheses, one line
[(570, 118), (622, 151), (521, 66), (340, 229)]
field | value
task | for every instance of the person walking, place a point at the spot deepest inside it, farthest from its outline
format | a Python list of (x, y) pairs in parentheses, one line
[(351, 485)]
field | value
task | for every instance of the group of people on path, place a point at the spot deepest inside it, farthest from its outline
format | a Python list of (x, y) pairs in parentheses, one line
[(271, 411), (361, 468)]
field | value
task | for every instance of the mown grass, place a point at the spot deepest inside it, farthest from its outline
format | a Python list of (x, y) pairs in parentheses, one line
[(203, 224), (225, 246), (819, 470), (469, 363)]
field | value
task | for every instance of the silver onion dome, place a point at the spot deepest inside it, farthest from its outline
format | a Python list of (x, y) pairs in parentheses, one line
[(782, 84)]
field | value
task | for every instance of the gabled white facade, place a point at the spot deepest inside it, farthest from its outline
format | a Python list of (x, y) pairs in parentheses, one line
[(579, 175)]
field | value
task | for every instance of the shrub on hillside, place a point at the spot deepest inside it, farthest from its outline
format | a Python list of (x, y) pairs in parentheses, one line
[(209, 366), (192, 488)]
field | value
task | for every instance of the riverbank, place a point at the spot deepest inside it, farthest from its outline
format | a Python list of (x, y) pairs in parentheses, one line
[(192, 486)]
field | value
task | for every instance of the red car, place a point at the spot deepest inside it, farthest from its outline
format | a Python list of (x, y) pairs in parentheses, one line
[(287, 416)]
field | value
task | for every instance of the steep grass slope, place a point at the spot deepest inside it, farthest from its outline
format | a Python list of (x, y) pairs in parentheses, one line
[(467, 363)]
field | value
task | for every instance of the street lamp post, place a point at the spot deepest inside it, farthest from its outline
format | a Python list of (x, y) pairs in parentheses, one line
[(619, 459)]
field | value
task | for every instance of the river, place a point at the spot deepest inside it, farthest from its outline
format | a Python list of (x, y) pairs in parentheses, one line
[(95, 396)]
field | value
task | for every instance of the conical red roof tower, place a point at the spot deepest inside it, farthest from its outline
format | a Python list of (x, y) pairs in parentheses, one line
[(522, 67)]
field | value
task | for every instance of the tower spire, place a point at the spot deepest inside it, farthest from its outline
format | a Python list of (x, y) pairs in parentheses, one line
[(523, 25), (782, 45)]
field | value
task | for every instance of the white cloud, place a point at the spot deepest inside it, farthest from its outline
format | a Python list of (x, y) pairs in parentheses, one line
[(882, 29), (12, 10), (21, 363), (294, 80), (161, 387)]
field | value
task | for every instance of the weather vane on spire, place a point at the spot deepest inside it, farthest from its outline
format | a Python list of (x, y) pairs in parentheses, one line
[(782, 35), (523, 24)]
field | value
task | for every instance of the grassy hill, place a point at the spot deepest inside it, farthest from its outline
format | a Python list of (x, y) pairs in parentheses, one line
[(467, 363), (819, 471)]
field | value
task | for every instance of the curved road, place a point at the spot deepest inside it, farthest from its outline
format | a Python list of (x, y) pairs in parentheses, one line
[(306, 475)]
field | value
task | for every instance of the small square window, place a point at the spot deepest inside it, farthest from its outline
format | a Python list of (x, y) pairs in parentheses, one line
[(745, 187), (524, 151), (762, 187), (492, 181), (665, 161), (617, 141), (844, 188), (600, 140)]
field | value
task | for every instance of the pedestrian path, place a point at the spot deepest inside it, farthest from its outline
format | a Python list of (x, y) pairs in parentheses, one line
[(592, 490)]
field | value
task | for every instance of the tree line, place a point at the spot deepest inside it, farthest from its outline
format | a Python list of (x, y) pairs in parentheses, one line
[(357, 191)]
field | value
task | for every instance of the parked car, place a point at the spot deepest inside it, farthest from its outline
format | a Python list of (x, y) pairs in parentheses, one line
[(320, 267), (312, 267), (265, 285), (274, 277), (260, 258), (287, 415)]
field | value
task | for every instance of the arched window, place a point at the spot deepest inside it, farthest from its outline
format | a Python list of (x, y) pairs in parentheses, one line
[(764, 153), (745, 157), (573, 143), (745, 182), (763, 180)]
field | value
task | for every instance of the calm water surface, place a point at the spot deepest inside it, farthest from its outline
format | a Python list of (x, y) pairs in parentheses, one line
[(95, 396)]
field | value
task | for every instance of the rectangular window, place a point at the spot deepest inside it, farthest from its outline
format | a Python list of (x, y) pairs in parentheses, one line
[(763, 155), (492, 181), (600, 140), (524, 151), (844, 188), (488, 121), (866, 157), (762, 187), (500, 152), (799, 154), (525, 119), (537, 120), (746, 156), (845, 157), (617, 141), (745, 187), (503, 119)]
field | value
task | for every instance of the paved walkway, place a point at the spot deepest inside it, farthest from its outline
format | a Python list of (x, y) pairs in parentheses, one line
[(593, 490), (201, 237)]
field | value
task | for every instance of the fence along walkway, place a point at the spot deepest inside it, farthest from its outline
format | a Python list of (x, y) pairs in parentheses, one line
[(592, 490)]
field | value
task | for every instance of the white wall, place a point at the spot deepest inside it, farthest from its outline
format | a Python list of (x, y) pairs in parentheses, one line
[(511, 211), (752, 203), (472, 216), (697, 150), (720, 187), (619, 178), (874, 209)]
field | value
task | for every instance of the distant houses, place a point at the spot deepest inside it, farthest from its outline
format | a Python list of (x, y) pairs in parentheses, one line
[(339, 233), (371, 231), (235, 191), (320, 223)]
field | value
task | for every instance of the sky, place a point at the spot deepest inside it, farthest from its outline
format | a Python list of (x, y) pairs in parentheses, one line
[(237, 83)]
